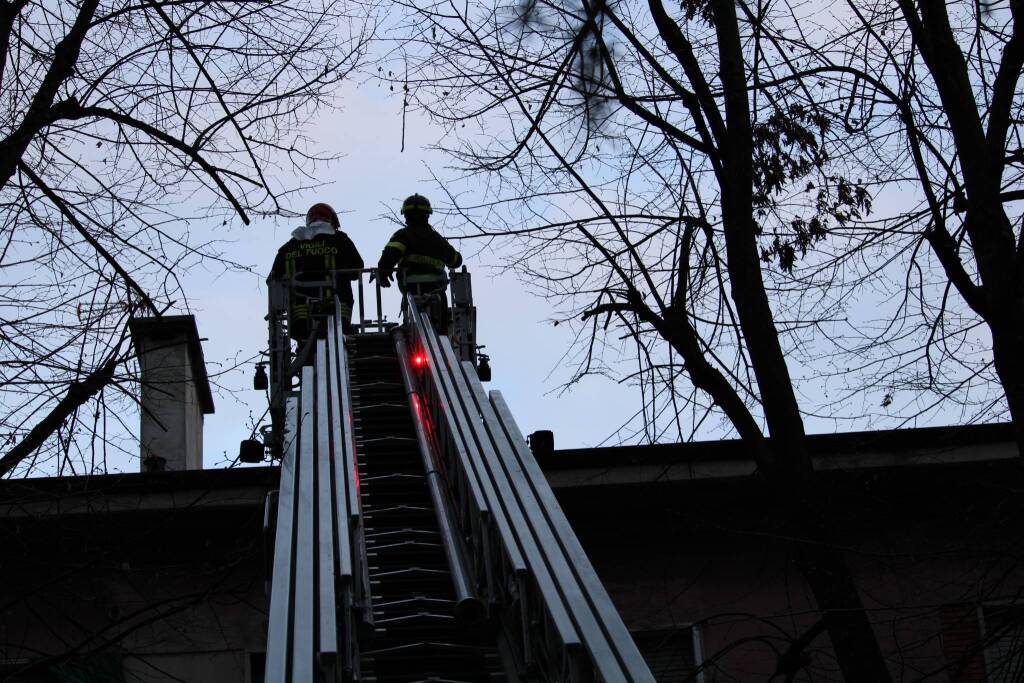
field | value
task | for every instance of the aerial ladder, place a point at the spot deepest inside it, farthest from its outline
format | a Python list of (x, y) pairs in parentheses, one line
[(414, 537)]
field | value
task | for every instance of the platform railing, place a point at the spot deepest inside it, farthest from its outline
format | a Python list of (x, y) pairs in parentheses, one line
[(557, 621), (283, 351), (362, 279)]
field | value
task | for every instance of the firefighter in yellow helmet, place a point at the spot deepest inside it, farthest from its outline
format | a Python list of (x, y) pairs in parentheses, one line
[(314, 252), (418, 251)]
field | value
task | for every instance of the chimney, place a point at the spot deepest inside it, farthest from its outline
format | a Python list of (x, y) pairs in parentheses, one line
[(175, 392)]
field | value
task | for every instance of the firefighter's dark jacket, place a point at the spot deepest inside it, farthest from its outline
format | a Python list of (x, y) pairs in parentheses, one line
[(420, 253), (311, 260)]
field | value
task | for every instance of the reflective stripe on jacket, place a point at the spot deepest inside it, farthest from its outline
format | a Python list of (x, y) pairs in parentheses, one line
[(313, 259), (421, 253)]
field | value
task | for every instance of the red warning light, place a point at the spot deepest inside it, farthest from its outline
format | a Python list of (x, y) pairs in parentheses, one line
[(419, 360)]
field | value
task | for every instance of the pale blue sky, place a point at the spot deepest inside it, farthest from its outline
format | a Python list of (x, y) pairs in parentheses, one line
[(371, 179)]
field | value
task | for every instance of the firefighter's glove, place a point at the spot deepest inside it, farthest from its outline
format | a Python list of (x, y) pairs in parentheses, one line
[(385, 278)]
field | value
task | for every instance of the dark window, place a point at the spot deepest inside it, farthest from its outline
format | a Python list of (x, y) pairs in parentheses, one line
[(669, 654), (257, 666), (961, 638), (96, 668), (11, 672), (1004, 643)]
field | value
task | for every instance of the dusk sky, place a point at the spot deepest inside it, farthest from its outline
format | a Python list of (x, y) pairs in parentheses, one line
[(369, 181)]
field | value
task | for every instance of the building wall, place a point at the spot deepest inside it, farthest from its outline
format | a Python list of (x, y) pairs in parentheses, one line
[(928, 559), (166, 595), (170, 581)]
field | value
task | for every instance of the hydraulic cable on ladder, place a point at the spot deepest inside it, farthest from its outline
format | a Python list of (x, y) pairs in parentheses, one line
[(416, 537)]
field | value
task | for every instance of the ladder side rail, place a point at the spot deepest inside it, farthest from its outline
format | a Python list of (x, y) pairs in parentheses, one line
[(628, 654), (496, 557), (468, 608), (303, 627), (345, 397), (602, 655), (481, 517), (445, 399), (558, 647), (279, 352), (342, 487), (279, 622), (362, 308), (327, 632), (470, 507), (489, 542), (604, 652), (380, 309), (339, 429), (360, 567), (437, 395)]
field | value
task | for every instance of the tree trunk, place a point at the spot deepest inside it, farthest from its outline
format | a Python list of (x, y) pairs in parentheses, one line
[(1008, 356), (856, 647), (790, 475)]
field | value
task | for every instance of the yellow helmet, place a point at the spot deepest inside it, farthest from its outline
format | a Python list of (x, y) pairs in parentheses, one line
[(416, 203)]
